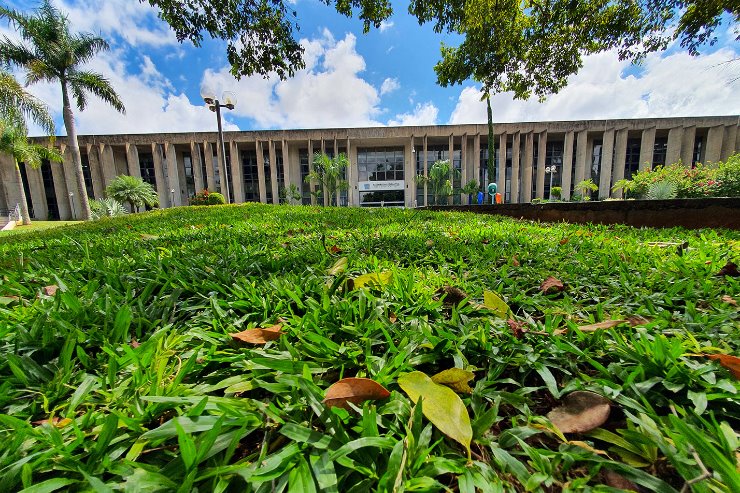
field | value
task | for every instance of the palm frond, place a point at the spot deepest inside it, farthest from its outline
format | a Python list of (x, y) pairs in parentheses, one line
[(12, 52), (17, 105), (98, 85), (85, 46), (79, 95)]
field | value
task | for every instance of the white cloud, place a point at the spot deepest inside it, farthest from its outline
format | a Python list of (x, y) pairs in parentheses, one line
[(423, 114), (668, 86), (389, 85), (385, 25), (329, 92)]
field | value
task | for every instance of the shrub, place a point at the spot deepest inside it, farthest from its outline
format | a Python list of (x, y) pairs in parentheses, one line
[(662, 190), (106, 208), (207, 198), (556, 193), (727, 183), (133, 191), (689, 182), (584, 189)]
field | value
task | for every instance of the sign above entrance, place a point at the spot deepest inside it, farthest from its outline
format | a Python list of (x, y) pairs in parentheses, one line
[(373, 186)]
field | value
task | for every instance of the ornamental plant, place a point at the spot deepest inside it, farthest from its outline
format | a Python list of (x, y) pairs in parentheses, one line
[(207, 198)]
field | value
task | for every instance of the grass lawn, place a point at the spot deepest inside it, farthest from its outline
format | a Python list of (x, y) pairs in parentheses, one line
[(119, 369), (37, 226)]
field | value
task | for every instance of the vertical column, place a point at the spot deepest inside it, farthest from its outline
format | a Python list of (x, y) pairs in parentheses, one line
[(607, 153), (352, 173), (647, 148), (463, 165), (729, 142), (132, 159), (426, 171), (409, 184), (9, 181), (237, 173), (38, 195), (451, 156), (273, 172), (286, 162), (620, 159), (526, 192), (501, 179), (73, 195), (60, 190), (261, 172), (541, 156), (197, 167), (312, 183), (567, 178), (476, 157), (515, 146), (173, 175), (673, 153), (687, 146), (221, 163), (336, 147), (714, 144), (162, 188), (108, 164), (210, 173), (95, 172), (581, 156)]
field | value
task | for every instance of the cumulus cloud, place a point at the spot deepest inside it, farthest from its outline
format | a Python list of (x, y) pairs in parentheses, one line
[(666, 86), (423, 114), (389, 85), (385, 25)]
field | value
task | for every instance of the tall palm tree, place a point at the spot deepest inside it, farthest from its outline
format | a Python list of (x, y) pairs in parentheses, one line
[(49, 52), (330, 173), (13, 141), (132, 190)]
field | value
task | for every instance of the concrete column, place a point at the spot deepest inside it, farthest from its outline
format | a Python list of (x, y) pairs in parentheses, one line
[(237, 173), (132, 159), (541, 156), (451, 156), (409, 168), (163, 190), (501, 180), (261, 172), (60, 190), (93, 160), (352, 172), (687, 146), (197, 167), (581, 157), (287, 161), (476, 157), (312, 183), (463, 165), (526, 191), (173, 176), (647, 148), (210, 173), (715, 136), (68, 168), (729, 142), (221, 164), (9, 181), (607, 152), (38, 194), (336, 147), (108, 163), (323, 146), (567, 177), (273, 171), (515, 146), (620, 158), (426, 171), (673, 153)]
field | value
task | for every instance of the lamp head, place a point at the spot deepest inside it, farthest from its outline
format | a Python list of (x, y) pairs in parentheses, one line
[(208, 94), (228, 99)]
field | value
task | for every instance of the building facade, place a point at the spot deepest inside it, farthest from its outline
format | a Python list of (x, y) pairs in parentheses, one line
[(529, 159)]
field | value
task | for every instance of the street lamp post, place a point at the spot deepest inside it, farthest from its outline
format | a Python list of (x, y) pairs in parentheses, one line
[(551, 170), (229, 101), (72, 202)]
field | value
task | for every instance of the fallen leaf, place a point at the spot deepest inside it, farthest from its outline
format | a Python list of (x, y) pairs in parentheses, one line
[(517, 328), (493, 302), (8, 300), (372, 279), (56, 421), (259, 335), (730, 362), (514, 261), (635, 320), (551, 285), (451, 295), (145, 236), (485, 241), (730, 269), (607, 324), (50, 290), (441, 406), (581, 411), (616, 480), (334, 249), (430, 243), (135, 343), (339, 266), (455, 378), (392, 317), (354, 390), (726, 298), (584, 445), (564, 241)]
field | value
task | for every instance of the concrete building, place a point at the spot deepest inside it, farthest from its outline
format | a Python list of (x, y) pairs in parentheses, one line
[(384, 162)]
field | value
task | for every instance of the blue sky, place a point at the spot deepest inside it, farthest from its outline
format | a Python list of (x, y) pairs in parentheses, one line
[(385, 77)]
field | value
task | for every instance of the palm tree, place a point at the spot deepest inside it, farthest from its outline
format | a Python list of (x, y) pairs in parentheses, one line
[(13, 141), (439, 180), (50, 52), (134, 191), (330, 173)]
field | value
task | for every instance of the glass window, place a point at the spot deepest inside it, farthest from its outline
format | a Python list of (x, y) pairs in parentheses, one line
[(146, 167), (51, 195), (659, 151), (251, 180)]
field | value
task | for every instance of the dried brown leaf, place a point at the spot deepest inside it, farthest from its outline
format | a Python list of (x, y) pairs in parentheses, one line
[(552, 285), (354, 390), (607, 324), (635, 320), (334, 249), (730, 362), (616, 480), (451, 294), (581, 412), (730, 269), (50, 290), (517, 328), (259, 335), (729, 300), (564, 241), (514, 261), (392, 317)]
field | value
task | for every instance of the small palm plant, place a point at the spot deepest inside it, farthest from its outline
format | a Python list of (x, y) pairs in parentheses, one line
[(585, 187), (439, 180), (132, 191), (107, 207), (662, 190), (330, 173)]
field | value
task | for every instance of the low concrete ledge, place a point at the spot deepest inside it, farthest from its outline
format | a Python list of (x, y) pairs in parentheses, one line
[(687, 213)]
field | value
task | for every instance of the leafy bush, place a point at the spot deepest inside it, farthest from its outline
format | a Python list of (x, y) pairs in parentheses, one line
[(556, 193), (134, 191), (661, 190), (107, 207), (728, 177), (585, 188), (207, 198)]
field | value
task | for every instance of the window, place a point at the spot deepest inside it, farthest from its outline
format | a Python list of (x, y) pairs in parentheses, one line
[(87, 175), (189, 178), (51, 196), (659, 151), (146, 166), (632, 160), (26, 189), (553, 159), (251, 178)]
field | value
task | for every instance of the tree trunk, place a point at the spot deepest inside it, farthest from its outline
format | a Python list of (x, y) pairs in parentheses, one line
[(69, 125), (25, 215), (491, 146)]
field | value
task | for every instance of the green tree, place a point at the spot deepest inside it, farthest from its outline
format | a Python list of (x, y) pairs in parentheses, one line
[(259, 34), (49, 52), (439, 181), (13, 142), (469, 189), (329, 172), (133, 191), (584, 189), (18, 106)]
